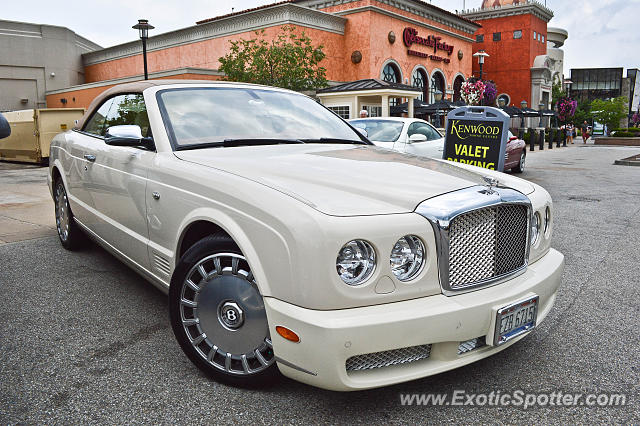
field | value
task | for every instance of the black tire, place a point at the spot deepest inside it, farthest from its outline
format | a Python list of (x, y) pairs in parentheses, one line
[(70, 235), (189, 325), (520, 167)]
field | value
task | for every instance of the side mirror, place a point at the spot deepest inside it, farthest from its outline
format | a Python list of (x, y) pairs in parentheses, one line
[(417, 137), (363, 132), (5, 128), (127, 135)]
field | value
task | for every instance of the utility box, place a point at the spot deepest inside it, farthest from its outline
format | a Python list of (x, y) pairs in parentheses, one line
[(32, 131)]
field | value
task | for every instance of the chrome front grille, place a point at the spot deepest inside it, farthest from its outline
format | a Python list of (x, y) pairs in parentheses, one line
[(487, 243), (388, 358)]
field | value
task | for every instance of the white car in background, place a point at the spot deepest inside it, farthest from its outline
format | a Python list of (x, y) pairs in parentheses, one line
[(409, 135)]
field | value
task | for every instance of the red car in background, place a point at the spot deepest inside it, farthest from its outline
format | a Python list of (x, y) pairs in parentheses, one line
[(516, 154)]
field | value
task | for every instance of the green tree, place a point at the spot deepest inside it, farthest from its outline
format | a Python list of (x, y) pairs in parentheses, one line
[(290, 61), (610, 112), (557, 93), (583, 112)]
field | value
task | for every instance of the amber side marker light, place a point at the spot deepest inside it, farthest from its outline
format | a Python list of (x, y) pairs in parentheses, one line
[(287, 334)]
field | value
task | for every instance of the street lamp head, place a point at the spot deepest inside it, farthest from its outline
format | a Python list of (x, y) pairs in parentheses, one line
[(481, 54), (143, 28)]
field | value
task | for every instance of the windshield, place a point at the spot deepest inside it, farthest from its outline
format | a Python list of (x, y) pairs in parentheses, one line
[(380, 130), (213, 115)]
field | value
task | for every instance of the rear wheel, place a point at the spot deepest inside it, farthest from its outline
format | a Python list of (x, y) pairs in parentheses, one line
[(520, 167), (218, 315), (71, 237)]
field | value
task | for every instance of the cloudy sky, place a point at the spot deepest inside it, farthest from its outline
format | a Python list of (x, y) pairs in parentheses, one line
[(602, 33)]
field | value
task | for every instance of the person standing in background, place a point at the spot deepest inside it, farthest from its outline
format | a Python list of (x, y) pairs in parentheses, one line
[(585, 131), (569, 132)]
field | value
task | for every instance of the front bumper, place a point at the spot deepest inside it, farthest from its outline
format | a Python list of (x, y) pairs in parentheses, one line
[(329, 338)]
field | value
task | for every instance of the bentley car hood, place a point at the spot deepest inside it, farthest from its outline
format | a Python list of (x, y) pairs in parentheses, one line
[(345, 180)]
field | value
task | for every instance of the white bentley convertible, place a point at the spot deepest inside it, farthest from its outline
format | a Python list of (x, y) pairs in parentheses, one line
[(286, 241)]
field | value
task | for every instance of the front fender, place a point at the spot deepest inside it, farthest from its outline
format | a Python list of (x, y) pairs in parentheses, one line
[(255, 239)]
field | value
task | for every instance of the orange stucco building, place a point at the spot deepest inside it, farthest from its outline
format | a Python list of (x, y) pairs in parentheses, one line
[(406, 41), (514, 34)]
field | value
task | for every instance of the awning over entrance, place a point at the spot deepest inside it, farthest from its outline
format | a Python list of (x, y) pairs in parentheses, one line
[(368, 92)]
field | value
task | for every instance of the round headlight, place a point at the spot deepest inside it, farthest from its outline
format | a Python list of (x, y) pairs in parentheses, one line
[(407, 257), (547, 220), (535, 228), (356, 262)]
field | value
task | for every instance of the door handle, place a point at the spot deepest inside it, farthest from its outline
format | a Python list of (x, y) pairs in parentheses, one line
[(90, 157)]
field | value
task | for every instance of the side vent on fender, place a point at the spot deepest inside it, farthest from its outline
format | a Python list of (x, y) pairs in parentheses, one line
[(161, 263)]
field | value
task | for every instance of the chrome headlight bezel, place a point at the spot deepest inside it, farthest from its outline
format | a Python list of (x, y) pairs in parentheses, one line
[(356, 255), (547, 221), (535, 228), (409, 247)]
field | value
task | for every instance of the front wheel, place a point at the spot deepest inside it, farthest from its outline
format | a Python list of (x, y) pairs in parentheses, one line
[(520, 167), (218, 315), (71, 237)]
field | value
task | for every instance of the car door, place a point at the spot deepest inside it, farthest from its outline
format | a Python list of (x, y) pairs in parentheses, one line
[(80, 148), (116, 182), (512, 156), (434, 145)]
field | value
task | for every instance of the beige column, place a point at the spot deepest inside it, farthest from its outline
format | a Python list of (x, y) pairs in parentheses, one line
[(410, 103), (385, 105), (355, 111)]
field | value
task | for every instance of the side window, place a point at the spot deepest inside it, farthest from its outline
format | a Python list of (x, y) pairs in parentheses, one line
[(128, 110), (95, 125), (414, 128), (433, 134), (421, 128)]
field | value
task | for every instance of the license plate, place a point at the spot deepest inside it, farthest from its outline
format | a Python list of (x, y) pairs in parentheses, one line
[(516, 319)]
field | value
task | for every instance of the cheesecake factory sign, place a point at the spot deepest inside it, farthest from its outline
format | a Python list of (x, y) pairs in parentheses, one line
[(411, 37)]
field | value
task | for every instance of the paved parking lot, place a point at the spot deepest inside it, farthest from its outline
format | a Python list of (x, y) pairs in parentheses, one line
[(84, 339)]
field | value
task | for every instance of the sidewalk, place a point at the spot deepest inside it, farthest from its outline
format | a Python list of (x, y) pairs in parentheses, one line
[(577, 142), (26, 207)]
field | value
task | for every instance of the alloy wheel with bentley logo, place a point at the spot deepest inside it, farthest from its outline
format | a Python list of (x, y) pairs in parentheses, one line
[(218, 315)]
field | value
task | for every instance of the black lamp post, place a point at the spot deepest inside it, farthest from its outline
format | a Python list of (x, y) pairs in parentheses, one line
[(143, 28), (481, 54), (437, 97), (523, 105)]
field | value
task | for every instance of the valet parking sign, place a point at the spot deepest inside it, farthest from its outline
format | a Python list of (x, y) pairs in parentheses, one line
[(477, 136)]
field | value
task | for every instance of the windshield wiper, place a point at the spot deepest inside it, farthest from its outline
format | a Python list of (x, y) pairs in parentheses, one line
[(227, 143), (334, 140)]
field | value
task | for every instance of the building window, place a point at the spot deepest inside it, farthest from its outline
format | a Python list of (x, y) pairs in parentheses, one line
[(457, 88), (539, 37), (420, 81), (480, 38), (517, 34), (391, 73), (543, 39), (373, 110), (438, 84), (342, 111), (535, 35), (497, 36)]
